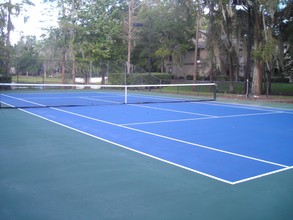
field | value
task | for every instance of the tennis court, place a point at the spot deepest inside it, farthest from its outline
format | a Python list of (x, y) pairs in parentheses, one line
[(166, 160)]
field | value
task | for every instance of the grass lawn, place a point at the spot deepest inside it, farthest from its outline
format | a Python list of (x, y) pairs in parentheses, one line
[(36, 79)]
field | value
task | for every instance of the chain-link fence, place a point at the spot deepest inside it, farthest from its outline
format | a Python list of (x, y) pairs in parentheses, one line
[(58, 71), (101, 72)]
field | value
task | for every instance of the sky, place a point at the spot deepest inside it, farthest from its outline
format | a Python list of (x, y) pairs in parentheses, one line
[(40, 16)]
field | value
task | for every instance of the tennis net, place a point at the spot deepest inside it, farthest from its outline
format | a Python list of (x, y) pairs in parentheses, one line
[(16, 95)]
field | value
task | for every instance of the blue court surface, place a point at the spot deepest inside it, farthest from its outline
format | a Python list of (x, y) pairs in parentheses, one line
[(67, 155), (231, 143)]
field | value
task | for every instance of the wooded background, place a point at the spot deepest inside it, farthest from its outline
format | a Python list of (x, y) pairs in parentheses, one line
[(252, 35)]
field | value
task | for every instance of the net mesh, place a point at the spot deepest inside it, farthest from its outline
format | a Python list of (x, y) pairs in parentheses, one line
[(69, 95)]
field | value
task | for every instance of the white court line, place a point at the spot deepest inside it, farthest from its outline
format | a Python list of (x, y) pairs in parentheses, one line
[(246, 115), (157, 158), (166, 121), (130, 149), (23, 100), (38, 104), (65, 97), (262, 175), (172, 110), (246, 106), (206, 118), (100, 100), (173, 139)]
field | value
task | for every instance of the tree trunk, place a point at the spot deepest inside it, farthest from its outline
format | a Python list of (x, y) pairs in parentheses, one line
[(9, 28), (73, 70), (63, 48), (257, 78), (63, 66), (196, 48), (72, 38), (129, 36), (248, 57), (231, 86)]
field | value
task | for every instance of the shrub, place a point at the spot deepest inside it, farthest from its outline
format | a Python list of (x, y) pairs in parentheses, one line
[(5, 79), (139, 78)]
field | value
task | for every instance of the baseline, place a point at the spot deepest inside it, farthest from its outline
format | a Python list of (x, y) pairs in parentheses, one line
[(198, 160)]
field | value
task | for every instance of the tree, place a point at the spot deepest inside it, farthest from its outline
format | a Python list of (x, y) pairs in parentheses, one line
[(133, 6), (212, 38), (99, 32), (26, 59), (257, 37), (92, 31), (87, 31), (283, 30), (7, 10), (168, 30), (261, 15), (50, 51)]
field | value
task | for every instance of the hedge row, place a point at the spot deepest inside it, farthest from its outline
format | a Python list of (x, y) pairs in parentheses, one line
[(5, 79), (139, 79)]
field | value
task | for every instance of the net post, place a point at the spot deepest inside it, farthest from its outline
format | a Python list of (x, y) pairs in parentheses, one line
[(125, 95), (247, 88), (215, 91)]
